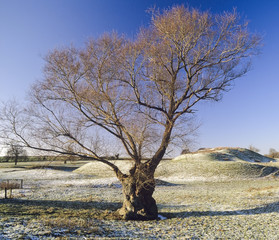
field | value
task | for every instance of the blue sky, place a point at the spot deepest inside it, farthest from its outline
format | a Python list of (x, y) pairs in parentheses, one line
[(247, 115)]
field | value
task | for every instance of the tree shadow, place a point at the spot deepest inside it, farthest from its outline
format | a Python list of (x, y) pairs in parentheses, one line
[(18, 204), (72, 205), (268, 208)]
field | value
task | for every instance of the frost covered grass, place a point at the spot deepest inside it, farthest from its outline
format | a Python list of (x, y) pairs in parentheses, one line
[(240, 209), (196, 202)]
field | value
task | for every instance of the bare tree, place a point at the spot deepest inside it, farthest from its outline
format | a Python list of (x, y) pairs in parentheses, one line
[(139, 93), (254, 149), (15, 152), (273, 153)]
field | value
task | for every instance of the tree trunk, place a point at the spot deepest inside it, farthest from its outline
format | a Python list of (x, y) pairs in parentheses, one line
[(138, 189)]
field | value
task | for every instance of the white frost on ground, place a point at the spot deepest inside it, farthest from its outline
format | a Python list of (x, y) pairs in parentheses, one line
[(252, 214), (161, 217), (34, 174), (56, 178)]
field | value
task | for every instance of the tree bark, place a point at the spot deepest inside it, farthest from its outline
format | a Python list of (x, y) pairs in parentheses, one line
[(16, 159), (138, 189)]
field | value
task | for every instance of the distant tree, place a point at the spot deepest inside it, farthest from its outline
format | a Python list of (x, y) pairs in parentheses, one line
[(273, 153), (15, 152), (185, 151), (139, 93), (254, 149)]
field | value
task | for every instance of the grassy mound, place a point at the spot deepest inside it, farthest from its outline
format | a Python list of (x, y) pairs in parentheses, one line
[(228, 154), (100, 170), (219, 163)]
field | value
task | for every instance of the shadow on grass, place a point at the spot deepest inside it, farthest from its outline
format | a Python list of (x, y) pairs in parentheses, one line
[(53, 167), (106, 210), (91, 209), (63, 204), (268, 208)]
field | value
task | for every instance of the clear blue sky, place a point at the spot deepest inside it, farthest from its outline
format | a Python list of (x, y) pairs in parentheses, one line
[(247, 115)]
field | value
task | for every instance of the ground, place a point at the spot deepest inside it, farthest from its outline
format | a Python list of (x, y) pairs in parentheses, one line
[(197, 199)]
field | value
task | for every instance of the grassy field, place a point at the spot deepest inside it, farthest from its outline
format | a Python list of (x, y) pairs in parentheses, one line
[(201, 199)]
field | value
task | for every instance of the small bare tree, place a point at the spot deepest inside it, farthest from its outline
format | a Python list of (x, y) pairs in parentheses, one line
[(273, 153), (254, 149), (135, 92), (15, 152)]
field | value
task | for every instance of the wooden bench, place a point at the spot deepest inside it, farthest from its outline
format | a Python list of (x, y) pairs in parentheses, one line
[(10, 184)]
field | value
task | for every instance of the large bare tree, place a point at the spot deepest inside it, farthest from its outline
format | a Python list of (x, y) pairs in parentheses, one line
[(133, 92)]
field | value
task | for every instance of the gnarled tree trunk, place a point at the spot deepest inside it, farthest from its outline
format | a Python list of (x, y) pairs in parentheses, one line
[(138, 189)]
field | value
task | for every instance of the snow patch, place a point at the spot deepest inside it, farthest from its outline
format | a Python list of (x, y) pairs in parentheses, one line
[(161, 217)]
